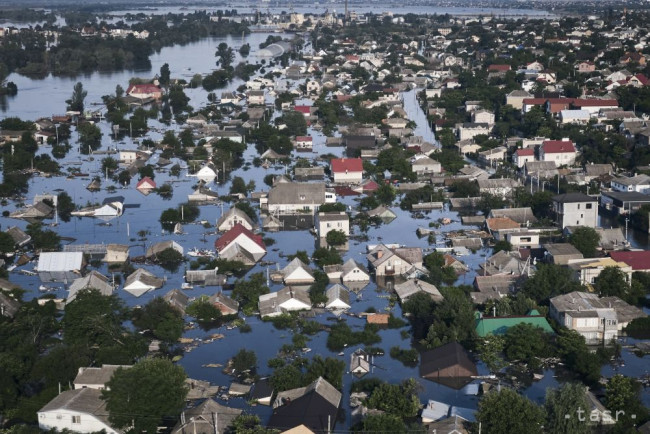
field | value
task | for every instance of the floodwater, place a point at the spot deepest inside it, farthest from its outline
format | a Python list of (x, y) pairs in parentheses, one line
[(38, 98)]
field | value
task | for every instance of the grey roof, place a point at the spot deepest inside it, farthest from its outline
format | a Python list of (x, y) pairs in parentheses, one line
[(504, 262), (333, 216), (627, 196), (8, 305), (291, 193), (239, 389), (598, 169), (145, 277), (294, 265), (381, 211), (235, 212), (85, 400), (561, 249), (413, 286), (359, 359), (635, 180), (271, 222), (178, 299), (60, 261), (338, 292), (578, 302), (154, 249), (201, 419), (350, 265), (222, 298), (96, 376), (270, 304), (381, 253), (94, 280), (520, 215), (319, 386), (18, 235), (574, 198), (498, 183), (122, 248)]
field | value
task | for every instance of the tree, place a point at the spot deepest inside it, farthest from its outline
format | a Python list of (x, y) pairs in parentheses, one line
[(170, 258), (336, 238), (383, 423), (76, 101), (548, 281), (323, 256), (247, 292), (140, 397), (90, 137), (204, 311), (165, 75), (225, 54), (7, 244), (526, 342), (396, 399), (502, 245), (244, 360), (385, 194), (162, 320), (46, 240), (65, 206), (622, 395), (586, 240), (612, 281), (507, 412), (569, 400), (453, 319), (238, 186), (490, 350), (438, 272), (244, 50)]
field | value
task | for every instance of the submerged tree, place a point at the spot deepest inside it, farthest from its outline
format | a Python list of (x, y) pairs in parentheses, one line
[(76, 102)]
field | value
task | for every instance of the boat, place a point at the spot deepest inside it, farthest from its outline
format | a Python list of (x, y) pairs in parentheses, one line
[(44, 288), (201, 253), (306, 350), (341, 353), (187, 286)]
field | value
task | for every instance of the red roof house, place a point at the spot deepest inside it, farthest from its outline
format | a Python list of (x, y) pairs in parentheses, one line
[(240, 244), (304, 109), (347, 170), (563, 152), (145, 185), (143, 91)]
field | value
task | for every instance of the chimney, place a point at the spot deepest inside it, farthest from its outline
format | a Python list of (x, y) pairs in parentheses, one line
[(380, 254)]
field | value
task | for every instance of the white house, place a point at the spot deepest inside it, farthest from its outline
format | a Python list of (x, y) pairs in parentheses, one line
[(295, 197), (522, 156), (297, 273), (141, 281), (562, 152), (423, 165), (233, 217), (575, 209), (483, 117), (304, 143), (347, 170), (332, 221), (338, 298), (77, 410), (352, 271), (575, 116), (637, 183), (285, 300), (469, 130), (241, 244)]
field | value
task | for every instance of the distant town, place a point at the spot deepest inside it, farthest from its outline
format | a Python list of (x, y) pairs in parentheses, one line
[(252, 220)]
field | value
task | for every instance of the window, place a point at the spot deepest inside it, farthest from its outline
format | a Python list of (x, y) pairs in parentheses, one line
[(76, 419), (578, 206), (589, 205), (329, 225)]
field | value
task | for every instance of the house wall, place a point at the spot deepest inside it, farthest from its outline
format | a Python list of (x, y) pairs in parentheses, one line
[(393, 266), (324, 227), (116, 256), (348, 177), (62, 419), (355, 275), (560, 159), (294, 304), (577, 214), (298, 276), (231, 221), (250, 246)]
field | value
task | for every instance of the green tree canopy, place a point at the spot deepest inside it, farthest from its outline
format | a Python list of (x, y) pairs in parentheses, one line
[(570, 399), (76, 101), (586, 240), (507, 411), (161, 319), (140, 397)]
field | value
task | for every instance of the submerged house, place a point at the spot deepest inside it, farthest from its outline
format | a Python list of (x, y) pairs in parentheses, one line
[(315, 406), (449, 365)]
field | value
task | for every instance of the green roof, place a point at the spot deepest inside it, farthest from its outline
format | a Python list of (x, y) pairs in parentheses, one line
[(500, 324)]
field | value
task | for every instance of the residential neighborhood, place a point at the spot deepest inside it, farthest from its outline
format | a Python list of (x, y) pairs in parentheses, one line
[(325, 218)]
